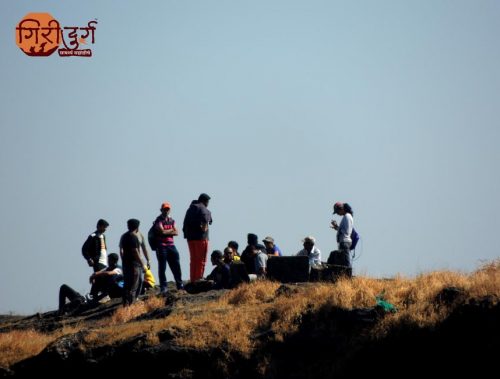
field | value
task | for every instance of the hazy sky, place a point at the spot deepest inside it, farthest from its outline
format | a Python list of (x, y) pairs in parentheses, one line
[(277, 109)]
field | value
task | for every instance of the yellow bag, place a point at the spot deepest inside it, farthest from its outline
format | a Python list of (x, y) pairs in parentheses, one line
[(149, 279)]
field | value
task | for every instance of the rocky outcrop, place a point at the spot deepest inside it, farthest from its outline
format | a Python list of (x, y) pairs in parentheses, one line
[(329, 342)]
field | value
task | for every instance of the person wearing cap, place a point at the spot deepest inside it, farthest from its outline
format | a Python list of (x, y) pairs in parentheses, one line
[(221, 274), (271, 247), (166, 252), (133, 267), (310, 251), (195, 229), (94, 250), (344, 230)]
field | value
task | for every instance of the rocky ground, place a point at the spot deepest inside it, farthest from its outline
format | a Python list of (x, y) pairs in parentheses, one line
[(329, 342)]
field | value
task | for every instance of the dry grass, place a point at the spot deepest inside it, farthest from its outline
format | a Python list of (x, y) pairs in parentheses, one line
[(233, 320), (125, 314)]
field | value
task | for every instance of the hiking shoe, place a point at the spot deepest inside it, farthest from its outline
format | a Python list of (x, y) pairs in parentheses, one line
[(105, 299)]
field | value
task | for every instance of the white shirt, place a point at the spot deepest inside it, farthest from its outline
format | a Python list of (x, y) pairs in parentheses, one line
[(345, 228), (314, 255), (103, 257)]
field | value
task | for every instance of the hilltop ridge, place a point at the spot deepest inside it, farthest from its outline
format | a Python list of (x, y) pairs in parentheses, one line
[(446, 322)]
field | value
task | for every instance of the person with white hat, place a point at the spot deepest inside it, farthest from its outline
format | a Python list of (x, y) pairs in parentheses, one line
[(311, 251)]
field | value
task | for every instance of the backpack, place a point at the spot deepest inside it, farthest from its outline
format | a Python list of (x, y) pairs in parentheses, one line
[(153, 241), (354, 238)]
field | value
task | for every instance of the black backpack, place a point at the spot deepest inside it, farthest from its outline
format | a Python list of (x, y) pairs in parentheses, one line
[(152, 237)]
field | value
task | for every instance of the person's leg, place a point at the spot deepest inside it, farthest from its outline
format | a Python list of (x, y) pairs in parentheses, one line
[(192, 247), (66, 292), (161, 255), (198, 252), (175, 266), (128, 281), (98, 266), (138, 281), (100, 285), (345, 254)]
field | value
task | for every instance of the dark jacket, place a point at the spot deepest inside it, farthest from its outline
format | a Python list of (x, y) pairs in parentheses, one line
[(221, 275), (196, 216), (92, 247)]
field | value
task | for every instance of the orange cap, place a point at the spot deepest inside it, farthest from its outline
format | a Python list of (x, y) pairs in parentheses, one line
[(164, 205)]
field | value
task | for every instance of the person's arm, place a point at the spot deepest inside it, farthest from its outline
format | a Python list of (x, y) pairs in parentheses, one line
[(334, 225), (121, 248), (275, 252), (145, 250), (101, 273), (86, 251), (167, 232), (205, 219), (317, 257)]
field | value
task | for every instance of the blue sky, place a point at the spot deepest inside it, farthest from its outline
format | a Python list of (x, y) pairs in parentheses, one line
[(277, 109)]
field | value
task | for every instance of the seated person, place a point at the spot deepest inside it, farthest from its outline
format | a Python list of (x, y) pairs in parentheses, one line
[(221, 274), (247, 256), (107, 282), (310, 251), (271, 247), (260, 261), (229, 256), (234, 245)]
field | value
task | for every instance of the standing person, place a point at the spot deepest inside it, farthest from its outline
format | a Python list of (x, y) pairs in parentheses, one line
[(344, 231), (310, 251), (195, 229), (166, 251), (94, 249), (133, 269)]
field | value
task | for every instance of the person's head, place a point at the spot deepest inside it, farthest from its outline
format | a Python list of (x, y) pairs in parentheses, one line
[(233, 245), (204, 198), (113, 260), (252, 239), (228, 254), (216, 257), (308, 243), (268, 242), (133, 224), (338, 208), (165, 208), (102, 225), (348, 209)]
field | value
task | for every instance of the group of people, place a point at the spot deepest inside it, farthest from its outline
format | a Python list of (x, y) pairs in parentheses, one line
[(255, 255), (108, 275)]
